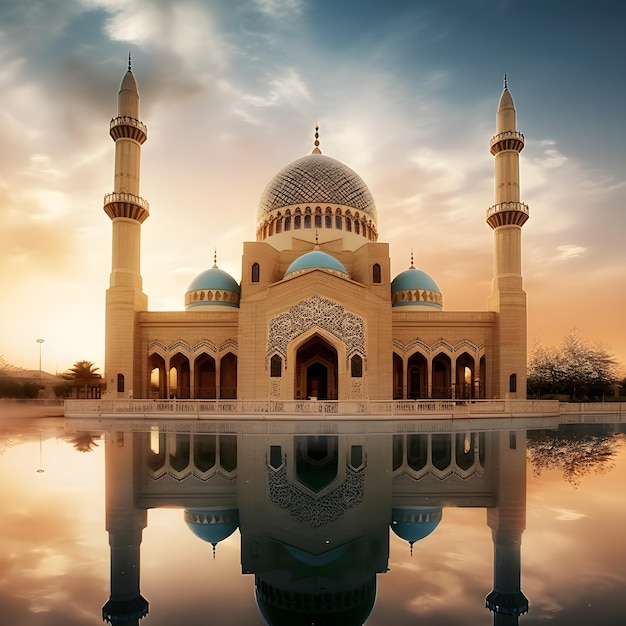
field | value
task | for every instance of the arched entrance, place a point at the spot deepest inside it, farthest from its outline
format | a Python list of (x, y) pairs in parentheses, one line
[(417, 377), (316, 370)]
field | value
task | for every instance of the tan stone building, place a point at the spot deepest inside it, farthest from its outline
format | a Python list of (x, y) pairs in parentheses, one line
[(317, 313)]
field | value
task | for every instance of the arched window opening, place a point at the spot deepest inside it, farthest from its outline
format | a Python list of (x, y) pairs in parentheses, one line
[(307, 221), (256, 272), (376, 274), (328, 221), (318, 221), (279, 225), (348, 225), (338, 222), (513, 383), (357, 227), (276, 366), (287, 223), (356, 366), (398, 392), (297, 222), (120, 383)]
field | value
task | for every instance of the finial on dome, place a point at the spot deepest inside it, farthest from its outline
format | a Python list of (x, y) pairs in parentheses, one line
[(411, 544), (129, 61), (317, 150), (215, 259), (505, 85), (412, 266), (317, 243), (214, 544)]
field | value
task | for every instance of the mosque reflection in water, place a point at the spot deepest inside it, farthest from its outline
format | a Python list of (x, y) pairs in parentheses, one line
[(313, 511)]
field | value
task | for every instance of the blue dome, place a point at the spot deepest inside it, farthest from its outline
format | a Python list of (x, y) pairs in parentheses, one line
[(413, 524), (210, 525), (414, 287), (213, 287), (317, 260)]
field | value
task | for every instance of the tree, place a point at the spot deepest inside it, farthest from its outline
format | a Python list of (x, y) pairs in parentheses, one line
[(576, 368), (574, 454), (82, 374)]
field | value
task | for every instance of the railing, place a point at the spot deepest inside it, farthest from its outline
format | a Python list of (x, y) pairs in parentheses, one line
[(125, 120), (507, 206), (131, 198), (507, 134), (256, 409)]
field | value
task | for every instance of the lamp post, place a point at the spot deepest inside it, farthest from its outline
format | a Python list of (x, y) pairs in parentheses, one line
[(39, 341)]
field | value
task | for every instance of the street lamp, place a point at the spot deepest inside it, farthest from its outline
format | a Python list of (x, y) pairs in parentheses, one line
[(39, 341)]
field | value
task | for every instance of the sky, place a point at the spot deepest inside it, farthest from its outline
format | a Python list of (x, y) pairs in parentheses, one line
[(405, 93)]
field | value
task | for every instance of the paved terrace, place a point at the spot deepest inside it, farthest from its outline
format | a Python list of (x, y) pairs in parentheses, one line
[(318, 409)]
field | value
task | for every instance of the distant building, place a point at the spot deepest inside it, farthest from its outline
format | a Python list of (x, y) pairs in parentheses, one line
[(317, 313)]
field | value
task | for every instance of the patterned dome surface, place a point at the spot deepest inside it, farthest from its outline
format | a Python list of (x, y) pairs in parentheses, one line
[(317, 179)]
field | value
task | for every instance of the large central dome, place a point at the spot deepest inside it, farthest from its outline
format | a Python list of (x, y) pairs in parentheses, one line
[(317, 179)]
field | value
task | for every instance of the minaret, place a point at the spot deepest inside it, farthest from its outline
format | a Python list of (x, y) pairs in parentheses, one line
[(507, 521), (125, 523), (128, 210), (508, 298)]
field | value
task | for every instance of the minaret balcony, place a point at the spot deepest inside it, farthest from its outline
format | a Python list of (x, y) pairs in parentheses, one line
[(125, 127), (126, 205), (507, 214), (508, 140)]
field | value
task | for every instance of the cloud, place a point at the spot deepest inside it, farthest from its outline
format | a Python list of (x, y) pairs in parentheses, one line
[(279, 8), (567, 252)]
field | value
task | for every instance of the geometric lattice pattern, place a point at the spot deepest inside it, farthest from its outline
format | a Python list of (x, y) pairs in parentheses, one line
[(317, 179), (315, 512), (316, 312)]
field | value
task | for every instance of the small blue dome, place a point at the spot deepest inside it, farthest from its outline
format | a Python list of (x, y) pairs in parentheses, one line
[(211, 525), (413, 524), (414, 287), (213, 287), (317, 260)]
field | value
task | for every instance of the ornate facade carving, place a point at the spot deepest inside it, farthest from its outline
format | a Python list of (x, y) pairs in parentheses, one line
[(321, 313), (315, 512)]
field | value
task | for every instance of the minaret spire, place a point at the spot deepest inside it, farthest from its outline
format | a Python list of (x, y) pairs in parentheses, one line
[(505, 85)]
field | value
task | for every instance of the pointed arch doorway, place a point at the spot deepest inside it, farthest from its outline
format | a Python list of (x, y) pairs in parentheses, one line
[(316, 370)]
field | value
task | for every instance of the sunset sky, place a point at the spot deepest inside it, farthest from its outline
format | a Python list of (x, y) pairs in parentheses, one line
[(405, 93)]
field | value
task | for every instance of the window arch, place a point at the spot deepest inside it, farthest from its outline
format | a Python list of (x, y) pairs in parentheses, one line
[(376, 273), (318, 221), (120, 383), (513, 383), (276, 366), (356, 366), (297, 222), (256, 272)]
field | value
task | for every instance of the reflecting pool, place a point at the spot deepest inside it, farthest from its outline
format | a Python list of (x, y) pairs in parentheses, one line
[(464, 522)]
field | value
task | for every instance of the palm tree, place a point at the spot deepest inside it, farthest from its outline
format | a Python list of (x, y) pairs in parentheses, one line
[(84, 441), (82, 373)]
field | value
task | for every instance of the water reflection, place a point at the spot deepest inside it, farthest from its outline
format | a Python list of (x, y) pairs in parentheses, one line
[(314, 511)]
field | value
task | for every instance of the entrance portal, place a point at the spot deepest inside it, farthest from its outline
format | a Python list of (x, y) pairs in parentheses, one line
[(316, 370)]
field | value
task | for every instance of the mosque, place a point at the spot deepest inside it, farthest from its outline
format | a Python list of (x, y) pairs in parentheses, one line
[(317, 314)]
